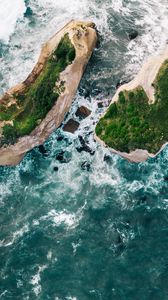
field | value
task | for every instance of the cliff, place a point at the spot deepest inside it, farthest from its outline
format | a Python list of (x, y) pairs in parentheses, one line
[(32, 110), (135, 124)]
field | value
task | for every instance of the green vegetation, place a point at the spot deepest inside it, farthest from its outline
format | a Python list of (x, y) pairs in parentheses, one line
[(131, 123), (32, 106)]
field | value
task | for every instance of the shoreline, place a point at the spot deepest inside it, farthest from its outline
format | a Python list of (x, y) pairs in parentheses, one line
[(136, 156)]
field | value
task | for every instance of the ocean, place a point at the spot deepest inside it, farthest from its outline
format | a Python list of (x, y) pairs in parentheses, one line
[(97, 228)]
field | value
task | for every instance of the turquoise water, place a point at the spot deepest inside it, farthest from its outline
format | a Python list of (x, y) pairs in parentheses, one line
[(84, 233)]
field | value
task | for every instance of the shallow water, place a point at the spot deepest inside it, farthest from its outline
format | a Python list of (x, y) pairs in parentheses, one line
[(81, 234)]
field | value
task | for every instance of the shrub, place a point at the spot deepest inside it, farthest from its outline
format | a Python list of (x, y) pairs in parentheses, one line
[(9, 133)]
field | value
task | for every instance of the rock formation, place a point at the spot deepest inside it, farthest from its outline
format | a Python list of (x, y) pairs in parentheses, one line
[(80, 36), (135, 124)]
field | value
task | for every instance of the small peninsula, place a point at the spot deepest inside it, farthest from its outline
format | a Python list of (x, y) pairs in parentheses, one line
[(32, 110), (135, 124)]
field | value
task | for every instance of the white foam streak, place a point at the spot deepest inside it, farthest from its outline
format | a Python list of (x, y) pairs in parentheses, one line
[(35, 280), (17, 234), (119, 7), (4, 192), (58, 218)]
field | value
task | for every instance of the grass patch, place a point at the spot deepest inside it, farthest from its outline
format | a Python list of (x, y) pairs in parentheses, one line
[(131, 123), (38, 99)]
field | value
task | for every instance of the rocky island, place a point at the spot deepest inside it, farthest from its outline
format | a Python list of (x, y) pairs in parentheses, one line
[(32, 110), (135, 124)]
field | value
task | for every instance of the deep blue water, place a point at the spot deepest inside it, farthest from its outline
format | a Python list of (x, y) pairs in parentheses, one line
[(80, 234)]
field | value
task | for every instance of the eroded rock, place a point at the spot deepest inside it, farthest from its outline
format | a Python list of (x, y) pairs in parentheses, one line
[(71, 126), (83, 112)]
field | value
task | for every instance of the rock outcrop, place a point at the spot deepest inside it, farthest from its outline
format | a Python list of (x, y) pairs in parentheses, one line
[(83, 37), (148, 83), (71, 126)]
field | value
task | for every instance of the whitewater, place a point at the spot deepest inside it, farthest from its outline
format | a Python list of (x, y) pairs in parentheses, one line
[(80, 234)]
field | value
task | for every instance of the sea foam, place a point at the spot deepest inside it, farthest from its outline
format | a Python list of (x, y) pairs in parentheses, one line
[(10, 12)]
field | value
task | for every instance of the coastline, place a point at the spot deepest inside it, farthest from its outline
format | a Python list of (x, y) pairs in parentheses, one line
[(136, 156)]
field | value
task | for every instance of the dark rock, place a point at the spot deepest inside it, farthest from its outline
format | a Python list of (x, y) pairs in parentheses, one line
[(89, 132), (28, 13), (66, 140), (120, 245), (63, 157), (96, 92), (84, 92), (107, 158), (55, 168), (143, 199), (42, 150), (166, 178), (85, 166), (71, 126), (133, 34), (119, 83), (100, 104), (60, 138), (27, 2), (82, 141), (84, 146), (83, 112)]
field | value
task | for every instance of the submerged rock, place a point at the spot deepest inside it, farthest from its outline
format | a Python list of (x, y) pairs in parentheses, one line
[(120, 83), (55, 169), (71, 126), (101, 104), (28, 13), (60, 138), (85, 166), (84, 147), (133, 34), (63, 156), (107, 158), (42, 150), (20, 132)]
